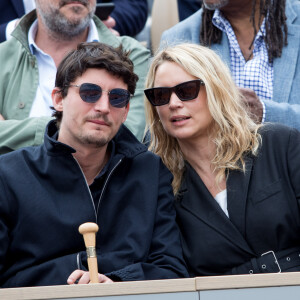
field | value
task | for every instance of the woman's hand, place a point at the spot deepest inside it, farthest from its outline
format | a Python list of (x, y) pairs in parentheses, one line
[(83, 277)]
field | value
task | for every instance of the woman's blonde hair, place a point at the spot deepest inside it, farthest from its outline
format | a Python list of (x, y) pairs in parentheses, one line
[(235, 134)]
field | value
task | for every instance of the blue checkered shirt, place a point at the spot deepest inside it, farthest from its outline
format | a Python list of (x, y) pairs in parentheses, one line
[(257, 73)]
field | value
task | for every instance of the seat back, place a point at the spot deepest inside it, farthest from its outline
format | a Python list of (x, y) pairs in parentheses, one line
[(164, 15)]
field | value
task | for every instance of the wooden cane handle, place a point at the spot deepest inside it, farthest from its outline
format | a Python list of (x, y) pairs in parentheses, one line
[(89, 230)]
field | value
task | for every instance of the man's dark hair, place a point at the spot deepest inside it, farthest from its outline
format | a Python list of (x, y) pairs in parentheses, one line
[(98, 56), (276, 28)]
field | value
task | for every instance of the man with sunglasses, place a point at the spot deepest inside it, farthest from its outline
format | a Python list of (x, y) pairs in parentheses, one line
[(29, 62), (91, 168)]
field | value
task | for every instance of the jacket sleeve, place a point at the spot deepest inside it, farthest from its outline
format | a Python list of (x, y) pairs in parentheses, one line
[(165, 258), (4, 232), (284, 113), (293, 160), (53, 271), (186, 31), (140, 57), (16, 134), (130, 16)]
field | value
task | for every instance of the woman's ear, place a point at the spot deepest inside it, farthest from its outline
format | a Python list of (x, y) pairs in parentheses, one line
[(57, 99)]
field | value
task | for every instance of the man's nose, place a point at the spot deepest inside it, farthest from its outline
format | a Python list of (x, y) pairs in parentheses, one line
[(103, 104)]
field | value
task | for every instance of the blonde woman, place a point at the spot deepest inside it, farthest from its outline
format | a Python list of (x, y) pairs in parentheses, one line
[(236, 183)]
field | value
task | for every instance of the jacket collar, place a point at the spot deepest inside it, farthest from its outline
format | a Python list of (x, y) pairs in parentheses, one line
[(194, 197), (21, 31), (125, 142), (237, 192)]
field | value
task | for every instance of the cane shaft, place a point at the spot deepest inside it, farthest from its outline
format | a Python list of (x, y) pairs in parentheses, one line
[(93, 269)]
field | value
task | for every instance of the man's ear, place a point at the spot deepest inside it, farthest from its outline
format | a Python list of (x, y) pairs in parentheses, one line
[(57, 99), (126, 112)]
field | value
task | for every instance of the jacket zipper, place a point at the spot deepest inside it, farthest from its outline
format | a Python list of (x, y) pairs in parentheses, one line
[(105, 184), (91, 197)]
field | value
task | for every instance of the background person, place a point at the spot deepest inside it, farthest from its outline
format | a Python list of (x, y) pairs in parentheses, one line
[(259, 40), (29, 61), (188, 7), (128, 18), (90, 168), (10, 13), (236, 183)]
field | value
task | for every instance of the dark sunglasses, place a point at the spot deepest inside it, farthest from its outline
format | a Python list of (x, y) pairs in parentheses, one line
[(185, 91), (91, 93)]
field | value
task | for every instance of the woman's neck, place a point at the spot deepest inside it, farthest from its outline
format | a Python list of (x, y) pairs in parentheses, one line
[(198, 150), (199, 154)]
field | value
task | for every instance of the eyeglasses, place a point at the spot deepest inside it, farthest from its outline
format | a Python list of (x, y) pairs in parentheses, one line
[(185, 91), (91, 93)]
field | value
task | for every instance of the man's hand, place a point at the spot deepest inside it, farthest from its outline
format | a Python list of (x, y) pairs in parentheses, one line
[(83, 277), (110, 23), (253, 103), (1, 118)]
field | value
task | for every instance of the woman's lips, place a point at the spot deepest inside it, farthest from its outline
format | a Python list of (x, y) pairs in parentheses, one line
[(181, 118)]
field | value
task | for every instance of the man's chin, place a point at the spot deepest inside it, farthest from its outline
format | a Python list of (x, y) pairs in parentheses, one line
[(97, 141), (71, 26)]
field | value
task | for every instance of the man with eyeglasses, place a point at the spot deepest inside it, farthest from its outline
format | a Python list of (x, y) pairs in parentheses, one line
[(90, 168), (29, 62)]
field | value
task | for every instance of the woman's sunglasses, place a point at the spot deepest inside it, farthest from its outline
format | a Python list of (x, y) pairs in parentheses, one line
[(185, 91), (91, 93)]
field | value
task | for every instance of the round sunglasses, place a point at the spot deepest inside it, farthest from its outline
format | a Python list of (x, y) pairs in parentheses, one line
[(185, 91), (91, 93)]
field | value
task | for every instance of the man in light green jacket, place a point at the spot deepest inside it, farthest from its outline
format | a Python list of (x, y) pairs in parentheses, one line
[(37, 48)]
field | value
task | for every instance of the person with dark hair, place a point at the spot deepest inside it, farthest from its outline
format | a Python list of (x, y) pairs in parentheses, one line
[(259, 41), (29, 62), (128, 18), (90, 168)]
